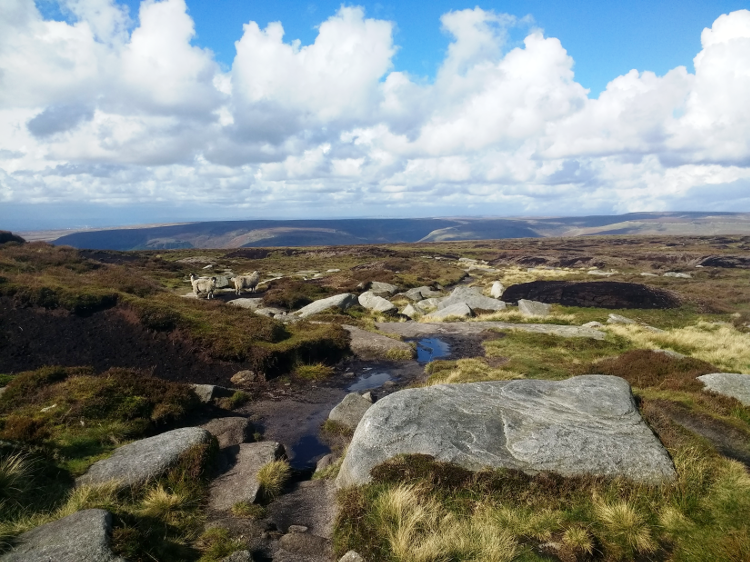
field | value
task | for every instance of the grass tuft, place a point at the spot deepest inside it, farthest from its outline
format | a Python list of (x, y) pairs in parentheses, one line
[(272, 477), (315, 372), (246, 510)]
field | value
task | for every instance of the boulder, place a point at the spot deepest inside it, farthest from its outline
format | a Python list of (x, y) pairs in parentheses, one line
[(618, 319), (735, 385), (427, 329), (648, 274), (240, 482), (497, 290), (246, 377), (223, 281), (270, 311), (351, 556), (350, 410), (420, 293), (230, 431), (533, 308), (678, 275), (80, 537), (138, 462), (410, 311), (378, 304), (208, 392), (473, 298), (251, 304), (342, 301), (382, 289), (583, 425), (369, 345), (460, 309), (426, 305), (599, 294)]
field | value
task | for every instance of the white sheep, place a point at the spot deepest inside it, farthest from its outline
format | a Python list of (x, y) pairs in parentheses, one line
[(203, 285), (246, 282)]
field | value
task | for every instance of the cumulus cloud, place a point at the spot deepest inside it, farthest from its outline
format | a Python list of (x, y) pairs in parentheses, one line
[(103, 109)]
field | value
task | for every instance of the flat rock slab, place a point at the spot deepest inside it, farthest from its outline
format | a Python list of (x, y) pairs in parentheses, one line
[(420, 329), (312, 504), (473, 298), (368, 345), (342, 301), (533, 308), (584, 425), (251, 304), (138, 462), (735, 385), (230, 431), (350, 410), (240, 482), (457, 309), (81, 537)]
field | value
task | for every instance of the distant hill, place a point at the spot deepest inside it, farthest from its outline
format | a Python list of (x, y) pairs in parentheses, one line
[(270, 233)]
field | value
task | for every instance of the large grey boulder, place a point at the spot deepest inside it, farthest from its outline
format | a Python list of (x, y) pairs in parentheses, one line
[(80, 537), (459, 309), (230, 431), (420, 293), (342, 301), (472, 297), (369, 345), (382, 289), (375, 303), (240, 482), (350, 410), (583, 425), (138, 462), (619, 319), (735, 385), (426, 305), (533, 308)]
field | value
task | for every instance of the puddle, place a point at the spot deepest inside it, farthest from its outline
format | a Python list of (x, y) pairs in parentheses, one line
[(429, 349), (307, 451), (369, 381)]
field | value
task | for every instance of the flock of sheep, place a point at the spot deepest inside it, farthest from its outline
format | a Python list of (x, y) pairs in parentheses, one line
[(206, 286)]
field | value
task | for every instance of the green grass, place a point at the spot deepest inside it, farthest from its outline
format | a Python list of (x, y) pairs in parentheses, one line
[(272, 478), (316, 372)]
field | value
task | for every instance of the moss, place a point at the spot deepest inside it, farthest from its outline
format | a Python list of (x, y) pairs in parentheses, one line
[(315, 372)]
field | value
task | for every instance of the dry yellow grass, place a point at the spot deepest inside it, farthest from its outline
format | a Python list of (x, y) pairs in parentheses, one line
[(717, 343), (273, 477), (469, 370), (162, 504), (513, 275), (625, 529)]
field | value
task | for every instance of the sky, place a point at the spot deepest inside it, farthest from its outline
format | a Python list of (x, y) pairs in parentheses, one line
[(115, 113)]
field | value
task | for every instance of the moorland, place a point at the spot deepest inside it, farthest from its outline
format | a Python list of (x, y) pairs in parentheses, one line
[(100, 349)]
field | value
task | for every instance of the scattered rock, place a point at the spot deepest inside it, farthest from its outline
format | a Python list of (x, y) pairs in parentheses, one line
[(251, 304), (230, 431), (617, 319), (369, 345), (600, 294), (592, 325), (138, 462), (378, 304), (473, 298), (223, 281), (410, 311), (311, 504), (297, 529), (678, 275), (351, 556), (80, 537), (208, 392), (240, 482), (459, 309), (583, 425), (647, 274), (601, 273), (380, 289), (533, 308), (270, 311), (342, 301), (325, 462), (241, 378), (350, 410), (497, 290), (735, 385)]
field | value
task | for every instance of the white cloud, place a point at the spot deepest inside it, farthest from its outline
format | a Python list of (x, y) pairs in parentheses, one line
[(102, 110)]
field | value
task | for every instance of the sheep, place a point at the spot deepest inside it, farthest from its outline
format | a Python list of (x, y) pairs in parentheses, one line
[(203, 285), (246, 282)]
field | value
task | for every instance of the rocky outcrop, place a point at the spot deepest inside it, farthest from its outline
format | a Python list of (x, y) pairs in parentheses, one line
[(230, 431), (350, 410), (458, 309), (138, 462), (81, 537), (584, 425), (420, 293), (380, 289), (342, 301), (533, 308), (473, 298), (250, 304), (369, 345), (735, 385), (600, 294), (240, 482), (311, 504), (375, 303)]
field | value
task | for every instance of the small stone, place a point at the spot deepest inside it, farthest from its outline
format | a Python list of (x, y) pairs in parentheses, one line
[(382, 289), (324, 462), (251, 304), (670, 353), (245, 377), (678, 275), (350, 410), (351, 556), (297, 529), (208, 392), (533, 308), (230, 431), (368, 396), (617, 319)]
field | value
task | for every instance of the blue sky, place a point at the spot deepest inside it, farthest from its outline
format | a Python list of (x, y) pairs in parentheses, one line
[(176, 110)]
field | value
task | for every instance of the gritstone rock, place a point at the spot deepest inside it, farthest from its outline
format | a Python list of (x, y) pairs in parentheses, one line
[(497, 290), (342, 301), (533, 308), (584, 425), (379, 289), (473, 298), (251, 304), (735, 385), (350, 410), (230, 431), (246, 377), (460, 309), (409, 311), (351, 556), (143, 460), (678, 275), (80, 537), (208, 392), (372, 302), (368, 345), (240, 482), (617, 319)]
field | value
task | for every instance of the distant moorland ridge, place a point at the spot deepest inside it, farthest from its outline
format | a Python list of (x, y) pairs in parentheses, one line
[(269, 233)]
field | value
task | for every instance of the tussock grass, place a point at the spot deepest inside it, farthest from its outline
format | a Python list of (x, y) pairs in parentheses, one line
[(513, 275), (315, 372), (272, 477), (513, 315), (717, 343), (466, 370), (246, 510), (395, 354)]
